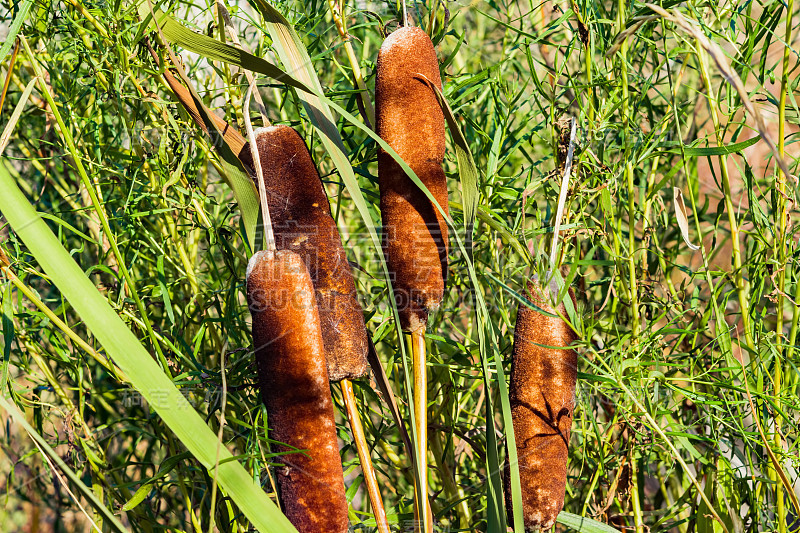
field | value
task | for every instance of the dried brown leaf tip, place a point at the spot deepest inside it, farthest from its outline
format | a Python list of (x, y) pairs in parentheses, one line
[(302, 223), (542, 395), (290, 356), (410, 120)]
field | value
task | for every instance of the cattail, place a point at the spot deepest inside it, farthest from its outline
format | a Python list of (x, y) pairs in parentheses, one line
[(410, 120), (290, 356), (302, 223), (542, 395)]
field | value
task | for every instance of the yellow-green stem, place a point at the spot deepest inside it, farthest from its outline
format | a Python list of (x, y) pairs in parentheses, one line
[(781, 240), (632, 282), (60, 324), (360, 439), (587, 58), (636, 502), (452, 489), (419, 367), (742, 288)]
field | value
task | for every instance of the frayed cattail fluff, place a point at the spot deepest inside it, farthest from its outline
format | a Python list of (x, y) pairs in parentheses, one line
[(290, 356), (410, 120), (542, 395), (302, 222)]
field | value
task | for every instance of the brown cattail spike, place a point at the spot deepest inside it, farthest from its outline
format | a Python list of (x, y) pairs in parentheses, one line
[(542, 395), (410, 120), (290, 356), (302, 222)]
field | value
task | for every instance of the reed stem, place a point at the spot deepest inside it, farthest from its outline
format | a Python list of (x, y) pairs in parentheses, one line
[(269, 237), (632, 281), (422, 511), (370, 479)]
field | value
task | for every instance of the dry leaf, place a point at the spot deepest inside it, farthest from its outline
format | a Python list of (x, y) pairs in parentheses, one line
[(683, 219)]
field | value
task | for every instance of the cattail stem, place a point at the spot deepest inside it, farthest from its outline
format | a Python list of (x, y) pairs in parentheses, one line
[(421, 425), (371, 480), (269, 237)]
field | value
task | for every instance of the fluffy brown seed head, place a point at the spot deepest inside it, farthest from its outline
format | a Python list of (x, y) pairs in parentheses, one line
[(290, 356), (542, 396), (410, 120), (302, 222)]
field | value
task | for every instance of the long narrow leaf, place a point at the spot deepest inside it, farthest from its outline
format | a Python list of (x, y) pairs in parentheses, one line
[(583, 525), (11, 36), (233, 138), (214, 49), (126, 351), (467, 171), (23, 99)]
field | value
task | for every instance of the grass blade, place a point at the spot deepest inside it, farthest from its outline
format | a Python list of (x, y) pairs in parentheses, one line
[(467, 171), (23, 99), (583, 524), (214, 49), (22, 14)]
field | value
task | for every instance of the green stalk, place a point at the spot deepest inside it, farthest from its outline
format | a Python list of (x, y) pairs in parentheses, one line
[(89, 185), (781, 240), (88, 16), (719, 320), (632, 282), (605, 444), (587, 58), (649, 183), (742, 287), (452, 489), (636, 501), (226, 71)]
